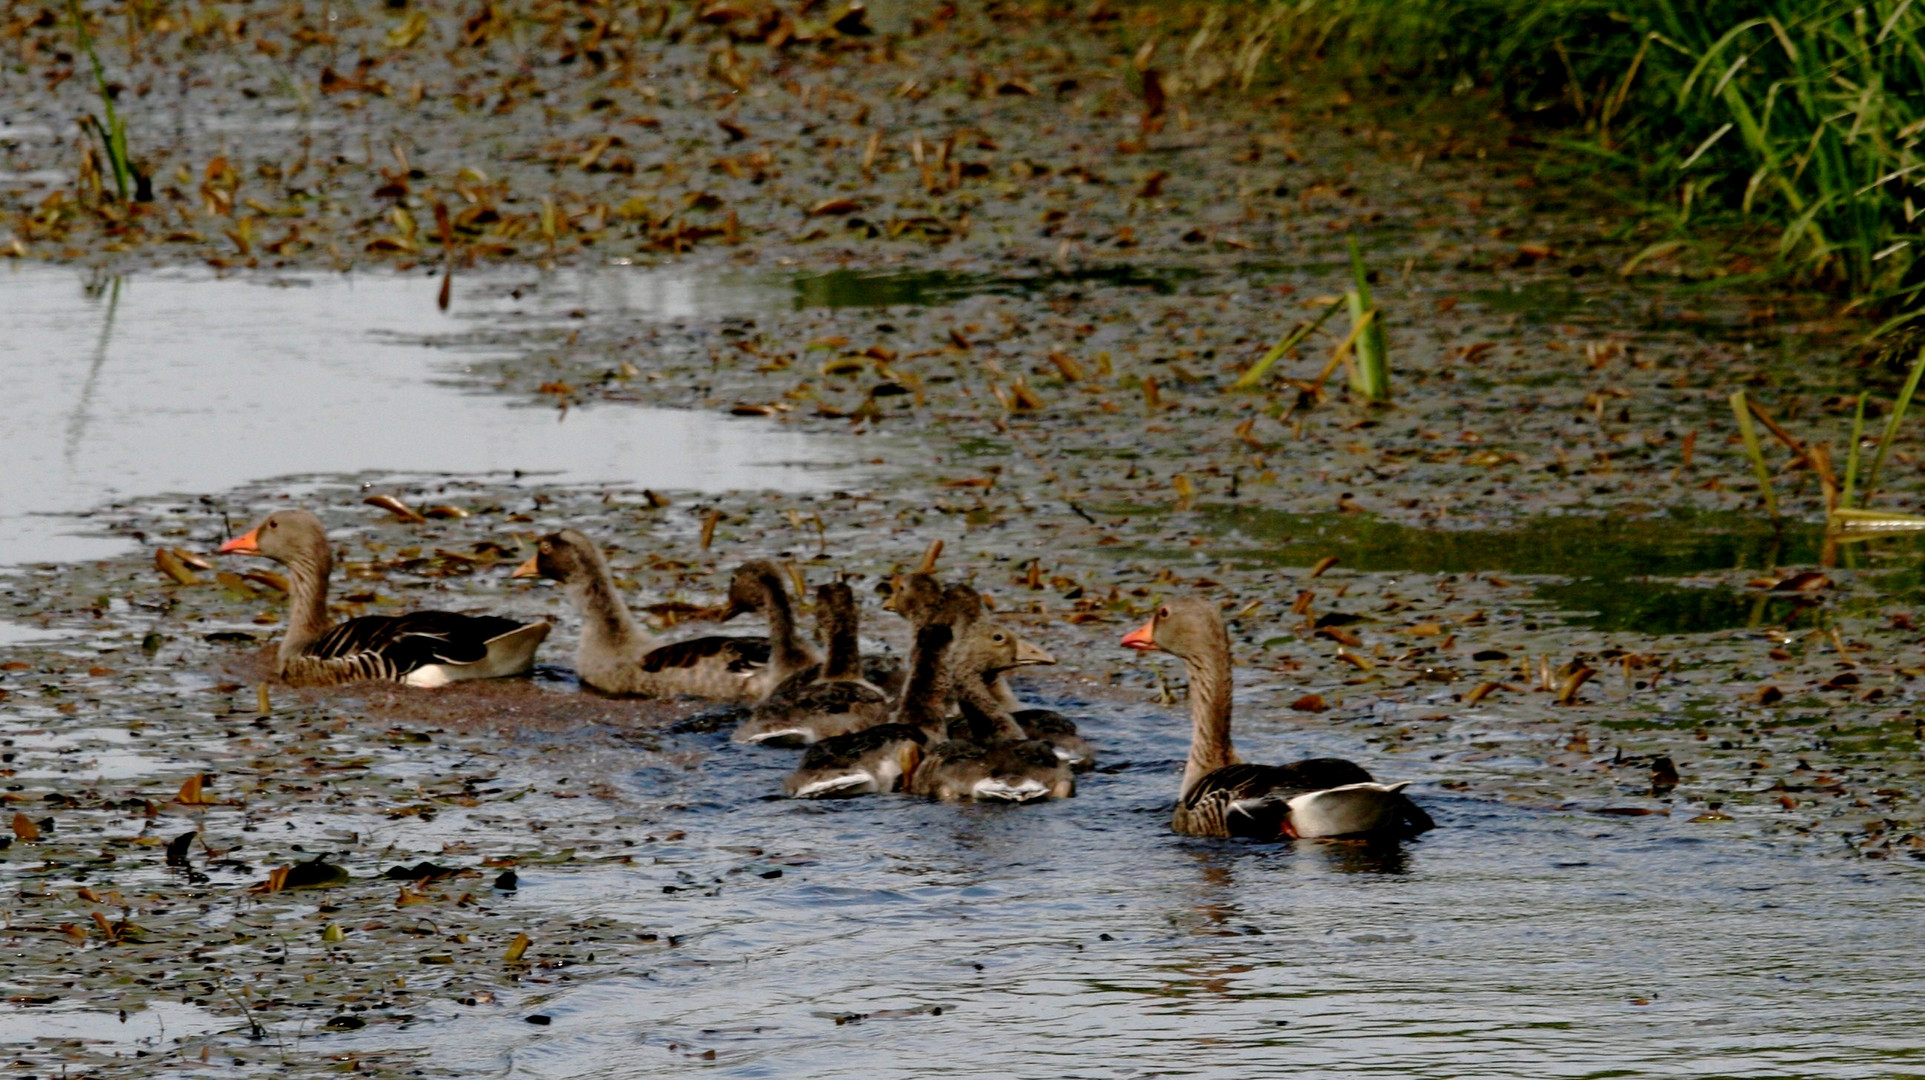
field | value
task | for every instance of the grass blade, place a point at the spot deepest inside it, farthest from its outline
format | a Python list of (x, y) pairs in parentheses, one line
[(1851, 456), (1291, 340), (1754, 450), (1891, 425)]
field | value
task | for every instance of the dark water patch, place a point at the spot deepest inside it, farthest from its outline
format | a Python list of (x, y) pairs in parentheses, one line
[(932, 288), (1610, 573), (1647, 606), (1668, 545)]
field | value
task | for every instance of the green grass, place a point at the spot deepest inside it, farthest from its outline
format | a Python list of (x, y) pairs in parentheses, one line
[(1806, 115), (112, 133)]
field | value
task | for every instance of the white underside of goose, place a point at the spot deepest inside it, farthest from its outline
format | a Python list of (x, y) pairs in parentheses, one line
[(1345, 811), (830, 787), (513, 653), (785, 737), (991, 789)]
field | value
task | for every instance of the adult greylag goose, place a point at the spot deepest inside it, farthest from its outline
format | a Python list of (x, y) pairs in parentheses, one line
[(421, 648), (825, 700), (1223, 796), (618, 656), (876, 759), (993, 760)]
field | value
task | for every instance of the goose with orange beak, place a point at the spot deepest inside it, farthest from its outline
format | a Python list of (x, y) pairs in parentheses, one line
[(421, 648), (1317, 798)]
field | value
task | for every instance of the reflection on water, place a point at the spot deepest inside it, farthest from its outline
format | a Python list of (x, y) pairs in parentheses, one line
[(1082, 939), (175, 383), (853, 288), (152, 1030), (1613, 573)]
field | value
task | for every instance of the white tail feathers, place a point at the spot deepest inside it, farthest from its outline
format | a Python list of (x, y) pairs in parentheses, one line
[(838, 786), (784, 737), (1348, 810), (992, 789)]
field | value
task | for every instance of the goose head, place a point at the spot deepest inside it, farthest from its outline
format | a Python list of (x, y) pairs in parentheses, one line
[(988, 648), (563, 556), (754, 586), (914, 597), (835, 606), (290, 537), (1187, 627)]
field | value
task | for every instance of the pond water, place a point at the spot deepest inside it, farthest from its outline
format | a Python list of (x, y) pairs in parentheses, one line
[(120, 388), (1527, 936), (1082, 939)]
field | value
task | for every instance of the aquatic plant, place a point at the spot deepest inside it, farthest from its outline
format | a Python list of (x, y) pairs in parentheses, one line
[(1369, 357), (1839, 511), (1806, 114), (113, 132)]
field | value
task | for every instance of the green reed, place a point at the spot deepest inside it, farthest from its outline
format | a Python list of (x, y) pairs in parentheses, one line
[(112, 133), (1807, 115)]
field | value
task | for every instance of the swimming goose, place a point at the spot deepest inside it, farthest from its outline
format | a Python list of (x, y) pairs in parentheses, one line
[(1047, 725), (994, 761), (878, 759), (421, 648), (1222, 796), (824, 700), (617, 656)]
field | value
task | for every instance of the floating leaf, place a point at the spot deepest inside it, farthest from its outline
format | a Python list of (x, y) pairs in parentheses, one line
[(177, 848), (191, 793), (1567, 690), (396, 507), (173, 566), (1482, 691), (24, 829), (516, 949)]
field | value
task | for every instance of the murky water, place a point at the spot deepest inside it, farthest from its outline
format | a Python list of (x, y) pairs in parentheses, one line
[(1528, 936), (1082, 939), (136, 386)]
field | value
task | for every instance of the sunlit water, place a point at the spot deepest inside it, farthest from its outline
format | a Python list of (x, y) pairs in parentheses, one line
[(184, 383), (1082, 939)]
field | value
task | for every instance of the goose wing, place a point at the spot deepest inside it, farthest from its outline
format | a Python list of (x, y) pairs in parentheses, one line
[(735, 653), (405, 643), (1253, 800)]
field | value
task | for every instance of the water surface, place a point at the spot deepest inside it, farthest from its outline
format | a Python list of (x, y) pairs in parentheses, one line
[(157, 383)]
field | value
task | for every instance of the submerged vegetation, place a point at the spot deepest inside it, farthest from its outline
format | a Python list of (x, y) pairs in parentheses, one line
[(1802, 114)]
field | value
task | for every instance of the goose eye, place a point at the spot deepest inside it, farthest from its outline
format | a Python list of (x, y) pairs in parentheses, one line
[(272, 524), (545, 548), (1000, 638), (1163, 613)]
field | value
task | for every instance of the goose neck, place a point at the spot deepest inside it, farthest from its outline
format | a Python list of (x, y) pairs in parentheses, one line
[(786, 650), (926, 693), (989, 717), (606, 622), (1209, 694), (843, 659), (307, 594)]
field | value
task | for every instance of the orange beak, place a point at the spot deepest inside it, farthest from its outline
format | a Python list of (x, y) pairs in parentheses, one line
[(248, 543), (1143, 637), (528, 569)]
